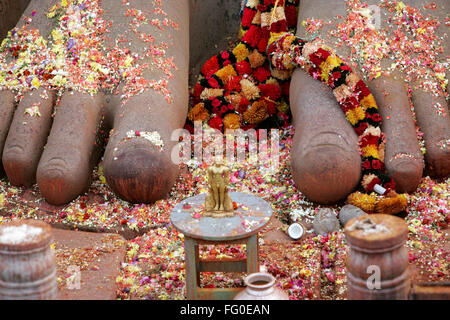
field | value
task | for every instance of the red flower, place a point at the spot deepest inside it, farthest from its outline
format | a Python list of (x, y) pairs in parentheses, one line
[(210, 67), (261, 74), (390, 185), (291, 16), (215, 102), (349, 103), (233, 84), (264, 41), (213, 83), (370, 139), (271, 107), (252, 36), (334, 76), (248, 17), (376, 117), (226, 63), (243, 105), (361, 128), (271, 91), (279, 26), (285, 87), (189, 127), (316, 59), (346, 67), (372, 184), (366, 165), (377, 164), (361, 89), (198, 89), (243, 67), (225, 55), (322, 53), (314, 72), (225, 108), (216, 123)]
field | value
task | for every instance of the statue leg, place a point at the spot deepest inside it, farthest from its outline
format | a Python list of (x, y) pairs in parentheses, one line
[(216, 198), (222, 198)]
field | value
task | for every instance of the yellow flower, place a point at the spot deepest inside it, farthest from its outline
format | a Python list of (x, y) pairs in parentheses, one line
[(363, 201), (400, 7), (332, 62), (64, 3), (256, 113), (274, 37), (369, 102), (355, 115), (35, 82), (305, 272), (128, 61), (370, 151), (225, 73), (241, 33), (288, 42), (283, 107), (241, 52), (56, 35)]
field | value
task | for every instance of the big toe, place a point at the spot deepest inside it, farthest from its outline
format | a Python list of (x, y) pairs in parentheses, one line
[(139, 173)]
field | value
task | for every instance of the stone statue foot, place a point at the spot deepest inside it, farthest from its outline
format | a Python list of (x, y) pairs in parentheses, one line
[(325, 154), (60, 152)]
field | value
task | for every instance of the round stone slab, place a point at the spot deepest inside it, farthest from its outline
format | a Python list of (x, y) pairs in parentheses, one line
[(252, 214)]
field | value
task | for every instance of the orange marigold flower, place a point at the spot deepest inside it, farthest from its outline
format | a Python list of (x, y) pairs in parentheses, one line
[(232, 121), (198, 113), (256, 113)]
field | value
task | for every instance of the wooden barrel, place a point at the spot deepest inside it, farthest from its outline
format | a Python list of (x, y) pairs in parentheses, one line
[(27, 262), (377, 265)]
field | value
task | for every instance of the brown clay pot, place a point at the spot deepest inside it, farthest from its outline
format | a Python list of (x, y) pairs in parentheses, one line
[(261, 286), (380, 250), (27, 264)]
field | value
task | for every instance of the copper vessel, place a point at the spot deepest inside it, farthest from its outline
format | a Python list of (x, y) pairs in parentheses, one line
[(261, 286)]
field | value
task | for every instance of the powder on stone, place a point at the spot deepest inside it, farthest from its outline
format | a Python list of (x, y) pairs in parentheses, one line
[(17, 235)]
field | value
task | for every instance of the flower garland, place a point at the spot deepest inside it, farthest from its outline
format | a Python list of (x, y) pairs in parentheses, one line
[(288, 52), (237, 88), (242, 82)]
